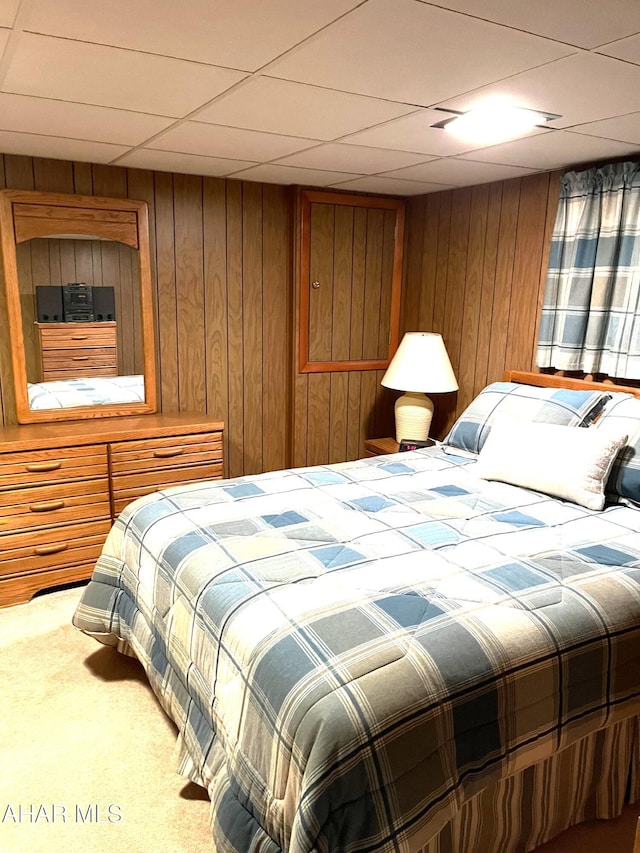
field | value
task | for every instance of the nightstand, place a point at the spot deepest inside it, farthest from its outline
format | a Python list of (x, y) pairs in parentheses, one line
[(380, 446)]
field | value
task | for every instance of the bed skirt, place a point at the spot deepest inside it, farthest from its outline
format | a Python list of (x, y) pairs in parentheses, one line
[(590, 779)]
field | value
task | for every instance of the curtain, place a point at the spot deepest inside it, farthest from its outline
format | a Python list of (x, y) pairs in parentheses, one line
[(591, 311)]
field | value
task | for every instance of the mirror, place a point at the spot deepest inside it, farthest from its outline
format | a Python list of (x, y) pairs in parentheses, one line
[(78, 286)]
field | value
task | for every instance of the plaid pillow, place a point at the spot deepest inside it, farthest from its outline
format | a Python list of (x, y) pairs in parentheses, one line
[(525, 402), (622, 414)]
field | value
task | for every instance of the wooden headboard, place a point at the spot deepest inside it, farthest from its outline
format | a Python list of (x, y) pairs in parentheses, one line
[(553, 380)]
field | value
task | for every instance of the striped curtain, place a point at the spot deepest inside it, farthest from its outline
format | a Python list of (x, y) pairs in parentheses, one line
[(591, 311)]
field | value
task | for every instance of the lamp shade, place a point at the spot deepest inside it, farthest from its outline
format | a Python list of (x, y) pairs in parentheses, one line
[(421, 363)]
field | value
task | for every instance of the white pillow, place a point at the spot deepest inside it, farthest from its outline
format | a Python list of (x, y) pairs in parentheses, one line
[(566, 462)]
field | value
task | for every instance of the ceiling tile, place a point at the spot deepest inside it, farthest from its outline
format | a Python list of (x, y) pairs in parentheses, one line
[(236, 33), (627, 49), (4, 38), (279, 106), (80, 121), (613, 89), (33, 145), (390, 186), (553, 150), (212, 139), (8, 10), (623, 128), (414, 133), (399, 49), (353, 158), (107, 76), (460, 172), (567, 21), (271, 173), (188, 164)]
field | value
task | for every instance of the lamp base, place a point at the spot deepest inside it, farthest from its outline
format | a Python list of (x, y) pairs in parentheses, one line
[(414, 412)]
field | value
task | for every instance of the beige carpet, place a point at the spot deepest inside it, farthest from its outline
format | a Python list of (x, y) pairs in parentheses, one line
[(82, 737)]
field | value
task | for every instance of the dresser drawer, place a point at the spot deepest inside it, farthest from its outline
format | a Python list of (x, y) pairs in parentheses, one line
[(174, 452), (62, 464), (45, 506), (42, 550), (72, 336), (68, 359)]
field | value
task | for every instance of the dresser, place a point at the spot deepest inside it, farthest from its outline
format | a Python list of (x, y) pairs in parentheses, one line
[(62, 486), (73, 350)]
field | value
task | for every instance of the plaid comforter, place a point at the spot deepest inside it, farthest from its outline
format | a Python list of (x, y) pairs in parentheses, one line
[(352, 651)]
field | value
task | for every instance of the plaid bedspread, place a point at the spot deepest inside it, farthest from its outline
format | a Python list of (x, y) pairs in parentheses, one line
[(352, 651)]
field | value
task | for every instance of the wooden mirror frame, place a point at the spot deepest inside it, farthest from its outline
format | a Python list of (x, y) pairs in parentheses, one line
[(26, 214)]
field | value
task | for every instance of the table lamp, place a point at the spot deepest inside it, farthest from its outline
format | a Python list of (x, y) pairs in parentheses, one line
[(420, 364)]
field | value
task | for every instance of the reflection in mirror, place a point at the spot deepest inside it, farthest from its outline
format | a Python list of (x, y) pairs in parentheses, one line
[(80, 349)]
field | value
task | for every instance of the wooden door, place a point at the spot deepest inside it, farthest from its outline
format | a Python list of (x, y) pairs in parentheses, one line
[(349, 265)]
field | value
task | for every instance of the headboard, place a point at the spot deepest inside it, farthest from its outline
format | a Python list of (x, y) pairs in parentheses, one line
[(553, 380)]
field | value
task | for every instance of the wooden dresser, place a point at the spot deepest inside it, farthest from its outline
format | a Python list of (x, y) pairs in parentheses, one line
[(62, 485), (72, 350)]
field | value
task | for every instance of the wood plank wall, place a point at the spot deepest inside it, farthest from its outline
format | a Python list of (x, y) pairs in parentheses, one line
[(475, 263), (222, 271)]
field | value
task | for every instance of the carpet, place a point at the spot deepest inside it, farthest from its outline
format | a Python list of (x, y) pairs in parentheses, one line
[(86, 754)]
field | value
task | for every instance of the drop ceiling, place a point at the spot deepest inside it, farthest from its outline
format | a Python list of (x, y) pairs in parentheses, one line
[(338, 93)]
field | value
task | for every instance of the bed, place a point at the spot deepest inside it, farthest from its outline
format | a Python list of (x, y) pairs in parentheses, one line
[(404, 653), (86, 391)]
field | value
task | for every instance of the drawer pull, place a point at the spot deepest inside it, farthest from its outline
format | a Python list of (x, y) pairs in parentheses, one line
[(46, 506), (44, 466), (168, 452), (79, 337), (43, 550), (79, 358)]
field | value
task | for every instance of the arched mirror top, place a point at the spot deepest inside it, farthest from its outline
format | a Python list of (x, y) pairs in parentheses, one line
[(79, 365)]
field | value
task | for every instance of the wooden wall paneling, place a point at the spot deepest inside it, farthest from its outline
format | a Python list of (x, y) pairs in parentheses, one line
[(234, 283), (83, 178), (109, 181), (338, 407), (368, 392), (472, 295), (83, 259), (386, 275), (252, 325), (354, 397), (190, 292), (413, 254), (358, 281), (166, 288), (526, 271), (373, 285), (277, 292), (318, 420), (504, 278), (215, 300), (342, 273), (429, 263), (321, 249), (488, 287), (442, 263), (52, 176), (455, 297)]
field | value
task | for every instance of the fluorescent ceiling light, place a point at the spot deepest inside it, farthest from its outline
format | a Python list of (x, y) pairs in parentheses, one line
[(493, 123)]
